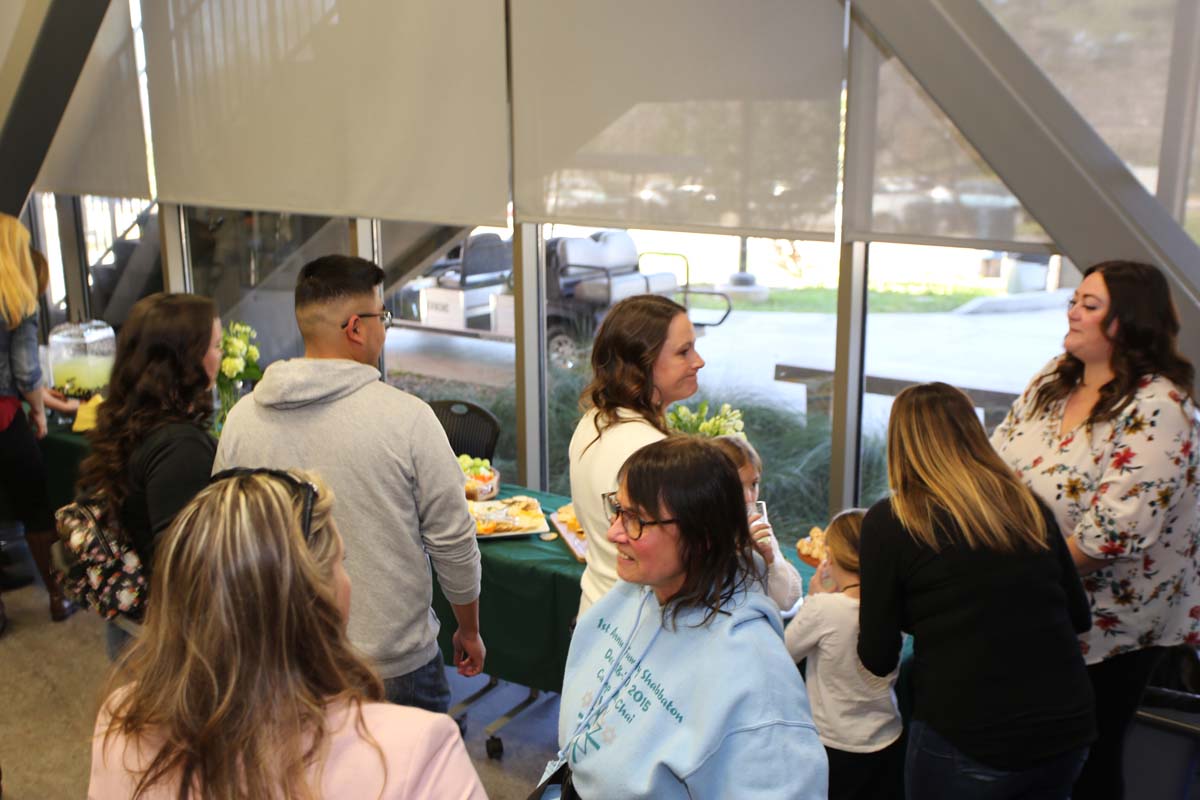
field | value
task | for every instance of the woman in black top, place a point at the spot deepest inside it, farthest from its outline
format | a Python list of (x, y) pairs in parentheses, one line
[(967, 560), (151, 449)]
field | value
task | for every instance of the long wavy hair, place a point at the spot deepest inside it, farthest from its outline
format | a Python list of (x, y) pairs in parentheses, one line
[(696, 484), (18, 277), (1145, 342), (942, 467), (243, 648), (158, 378), (623, 355)]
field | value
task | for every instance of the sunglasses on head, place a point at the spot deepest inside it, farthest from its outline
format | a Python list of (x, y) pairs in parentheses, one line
[(308, 489)]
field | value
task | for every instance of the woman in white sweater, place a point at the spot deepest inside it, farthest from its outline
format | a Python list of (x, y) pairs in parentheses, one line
[(644, 358)]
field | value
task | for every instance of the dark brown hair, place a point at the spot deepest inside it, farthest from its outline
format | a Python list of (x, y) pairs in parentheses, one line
[(1139, 301), (698, 486), (158, 378), (336, 277), (623, 355)]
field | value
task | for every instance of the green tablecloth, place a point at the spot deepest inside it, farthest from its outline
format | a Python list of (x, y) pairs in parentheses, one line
[(62, 450), (529, 595)]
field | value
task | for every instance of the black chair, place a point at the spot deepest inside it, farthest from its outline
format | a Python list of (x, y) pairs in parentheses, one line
[(471, 429)]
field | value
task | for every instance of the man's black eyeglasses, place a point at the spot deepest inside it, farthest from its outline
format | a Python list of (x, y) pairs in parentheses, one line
[(294, 483), (384, 316), (631, 522)]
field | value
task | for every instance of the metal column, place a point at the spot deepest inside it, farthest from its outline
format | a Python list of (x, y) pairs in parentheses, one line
[(530, 306), (857, 180)]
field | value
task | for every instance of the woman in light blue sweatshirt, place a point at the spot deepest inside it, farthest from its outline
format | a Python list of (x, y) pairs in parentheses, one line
[(678, 684)]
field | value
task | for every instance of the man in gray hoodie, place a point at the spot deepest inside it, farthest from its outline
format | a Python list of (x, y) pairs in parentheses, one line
[(399, 490)]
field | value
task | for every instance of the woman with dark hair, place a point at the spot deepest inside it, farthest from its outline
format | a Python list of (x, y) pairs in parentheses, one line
[(677, 683), (243, 683), (22, 470), (151, 450), (1106, 434), (644, 358), (965, 558)]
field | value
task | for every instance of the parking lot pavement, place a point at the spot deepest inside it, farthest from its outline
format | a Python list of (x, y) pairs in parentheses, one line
[(993, 352)]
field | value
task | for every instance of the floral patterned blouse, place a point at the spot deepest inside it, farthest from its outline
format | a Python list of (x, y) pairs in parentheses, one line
[(1128, 491)]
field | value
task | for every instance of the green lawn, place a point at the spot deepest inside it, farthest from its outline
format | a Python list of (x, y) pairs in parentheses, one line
[(824, 301)]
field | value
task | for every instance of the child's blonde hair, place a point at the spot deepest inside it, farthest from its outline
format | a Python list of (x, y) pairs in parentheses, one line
[(842, 538)]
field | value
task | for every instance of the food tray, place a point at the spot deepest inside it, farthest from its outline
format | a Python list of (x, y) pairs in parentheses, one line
[(575, 543), (486, 490), (812, 562), (493, 509)]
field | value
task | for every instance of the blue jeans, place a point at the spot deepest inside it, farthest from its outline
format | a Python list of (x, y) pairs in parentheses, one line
[(934, 769), (425, 687)]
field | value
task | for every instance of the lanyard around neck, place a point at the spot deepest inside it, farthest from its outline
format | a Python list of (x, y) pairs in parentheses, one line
[(600, 702)]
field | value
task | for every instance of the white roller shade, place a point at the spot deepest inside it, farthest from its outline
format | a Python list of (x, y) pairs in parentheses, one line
[(351, 108), (100, 147), (677, 113)]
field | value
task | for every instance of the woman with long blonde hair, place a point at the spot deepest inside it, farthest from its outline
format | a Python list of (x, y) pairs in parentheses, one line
[(243, 683), (965, 558), (22, 470)]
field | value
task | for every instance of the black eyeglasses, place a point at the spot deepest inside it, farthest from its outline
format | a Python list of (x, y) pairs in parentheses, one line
[(294, 483), (384, 316), (631, 522)]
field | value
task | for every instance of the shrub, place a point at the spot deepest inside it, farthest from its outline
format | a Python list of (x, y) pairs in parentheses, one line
[(796, 448)]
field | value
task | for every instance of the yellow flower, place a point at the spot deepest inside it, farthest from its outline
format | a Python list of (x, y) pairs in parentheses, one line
[(252, 354), (235, 347), (231, 367)]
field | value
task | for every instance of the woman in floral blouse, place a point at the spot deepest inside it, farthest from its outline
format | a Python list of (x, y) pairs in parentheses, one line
[(1107, 435)]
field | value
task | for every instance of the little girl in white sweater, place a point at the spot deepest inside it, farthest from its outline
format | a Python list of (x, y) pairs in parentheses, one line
[(855, 712), (783, 580)]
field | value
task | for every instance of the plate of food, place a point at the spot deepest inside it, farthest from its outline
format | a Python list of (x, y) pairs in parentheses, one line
[(513, 516), (483, 482), (811, 548), (570, 531)]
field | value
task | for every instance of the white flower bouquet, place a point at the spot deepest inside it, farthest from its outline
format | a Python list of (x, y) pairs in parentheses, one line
[(726, 422)]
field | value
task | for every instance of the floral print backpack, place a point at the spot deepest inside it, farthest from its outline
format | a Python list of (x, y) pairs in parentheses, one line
[(95, 564)]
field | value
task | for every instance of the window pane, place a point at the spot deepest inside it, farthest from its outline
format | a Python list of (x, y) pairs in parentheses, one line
[(248, 262), (929, 181), (452, 335), (982, 321), (47, 220), (1110, 58), (124, 256), (760, 359)]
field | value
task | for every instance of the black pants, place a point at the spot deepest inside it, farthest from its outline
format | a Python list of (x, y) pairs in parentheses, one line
[(23, 475), (1118, 684), (867, 776)]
